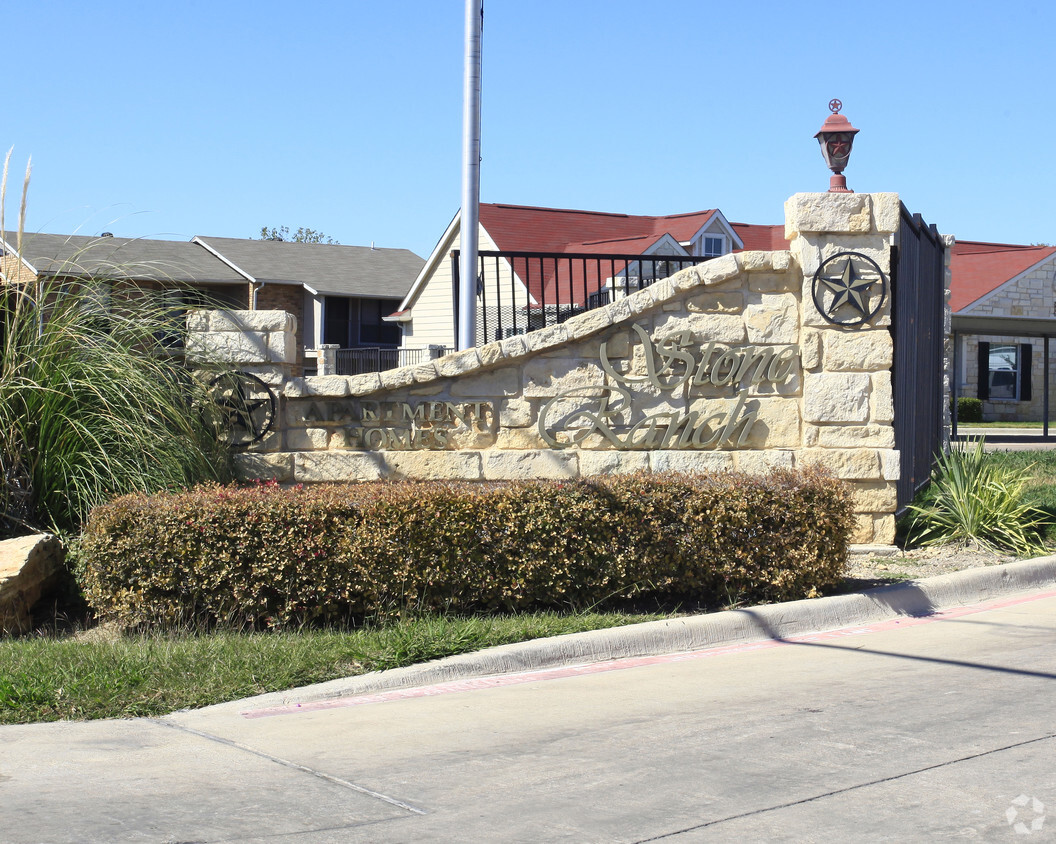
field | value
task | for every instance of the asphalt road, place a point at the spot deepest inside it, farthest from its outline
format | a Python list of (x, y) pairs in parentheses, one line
[(905, 730)]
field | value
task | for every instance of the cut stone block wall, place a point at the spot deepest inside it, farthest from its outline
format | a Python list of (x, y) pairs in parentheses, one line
[(261, 342), (288, 298), (727, 365)]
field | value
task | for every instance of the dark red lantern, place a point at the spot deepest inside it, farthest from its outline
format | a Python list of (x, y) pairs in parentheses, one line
[(836, 137)]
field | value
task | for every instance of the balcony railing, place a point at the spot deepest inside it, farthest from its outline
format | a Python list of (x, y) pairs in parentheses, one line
[(524, 291), (379, 359)]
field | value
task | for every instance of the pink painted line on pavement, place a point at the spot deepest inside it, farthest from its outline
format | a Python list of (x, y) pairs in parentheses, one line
[(538, 675)]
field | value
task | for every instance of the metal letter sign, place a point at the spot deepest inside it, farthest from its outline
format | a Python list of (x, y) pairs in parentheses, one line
[(849, 289)]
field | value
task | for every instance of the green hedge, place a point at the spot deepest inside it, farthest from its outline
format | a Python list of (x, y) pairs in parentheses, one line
[(272, 556), (969, 409)]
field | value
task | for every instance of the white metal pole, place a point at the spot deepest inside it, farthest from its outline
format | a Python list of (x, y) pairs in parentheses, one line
[(467, 266)]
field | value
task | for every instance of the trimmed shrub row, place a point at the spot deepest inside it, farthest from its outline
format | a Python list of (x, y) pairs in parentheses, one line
[(272, 556)]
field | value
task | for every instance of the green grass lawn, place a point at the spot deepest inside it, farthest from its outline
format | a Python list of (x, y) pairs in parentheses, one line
[(50, 678), (962, 425), (1041, 489)]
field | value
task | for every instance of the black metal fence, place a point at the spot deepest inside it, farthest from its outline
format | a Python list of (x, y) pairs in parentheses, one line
[(377, 359), (519, 292), (918, 295)]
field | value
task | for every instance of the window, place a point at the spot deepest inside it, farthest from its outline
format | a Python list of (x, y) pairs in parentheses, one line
[(97, 298), (351, 323), (373, 330), (713, 246), (1004, 371), (339, 313)]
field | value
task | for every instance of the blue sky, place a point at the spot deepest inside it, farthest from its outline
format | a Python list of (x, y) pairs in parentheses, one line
[(170, 119)]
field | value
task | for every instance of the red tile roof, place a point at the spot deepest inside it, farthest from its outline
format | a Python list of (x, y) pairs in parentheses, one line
[(522, 228), (761, 238), (979, 268)]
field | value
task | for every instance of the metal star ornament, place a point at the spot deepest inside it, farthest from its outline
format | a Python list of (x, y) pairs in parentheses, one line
[(849, 278), (245, 405), (849, 289)]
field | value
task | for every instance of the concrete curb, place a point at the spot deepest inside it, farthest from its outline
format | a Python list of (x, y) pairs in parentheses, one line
[(772, 621)]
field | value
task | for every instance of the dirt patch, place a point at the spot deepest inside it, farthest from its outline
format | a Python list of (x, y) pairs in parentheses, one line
[(109, 631), (867, 570)]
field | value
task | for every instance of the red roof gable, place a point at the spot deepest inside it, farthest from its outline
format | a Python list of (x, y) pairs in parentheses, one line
[(979, 268), (522, 228)]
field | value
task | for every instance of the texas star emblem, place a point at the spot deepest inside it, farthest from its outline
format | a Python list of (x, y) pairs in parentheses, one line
[(849, 289)]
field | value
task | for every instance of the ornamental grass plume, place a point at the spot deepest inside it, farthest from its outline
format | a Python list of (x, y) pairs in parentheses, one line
[(973, 501), (92, 404)]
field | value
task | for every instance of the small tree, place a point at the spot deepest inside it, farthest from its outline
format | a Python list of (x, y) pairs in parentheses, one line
[(302, 235)]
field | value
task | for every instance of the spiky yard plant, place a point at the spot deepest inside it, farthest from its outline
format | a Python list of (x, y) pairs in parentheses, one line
[(92, 404), (973, 501)]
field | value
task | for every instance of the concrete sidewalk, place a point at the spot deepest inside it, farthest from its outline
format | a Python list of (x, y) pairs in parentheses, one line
[(901, 706), (773, 621)]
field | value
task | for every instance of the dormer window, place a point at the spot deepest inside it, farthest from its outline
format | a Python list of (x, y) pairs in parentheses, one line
[(716, 237)]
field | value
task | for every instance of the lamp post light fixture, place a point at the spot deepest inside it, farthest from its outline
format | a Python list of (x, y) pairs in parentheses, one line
[(836, 136)]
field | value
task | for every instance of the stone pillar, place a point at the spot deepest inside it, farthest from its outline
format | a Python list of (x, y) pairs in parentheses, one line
[(326, 359), (848, 406), (260, 342)]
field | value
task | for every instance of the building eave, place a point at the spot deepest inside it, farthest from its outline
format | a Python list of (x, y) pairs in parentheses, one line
[(439, 253), (1003, 326), (8, 248)]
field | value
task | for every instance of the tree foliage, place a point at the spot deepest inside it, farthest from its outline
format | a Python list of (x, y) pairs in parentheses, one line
[(302, 235)]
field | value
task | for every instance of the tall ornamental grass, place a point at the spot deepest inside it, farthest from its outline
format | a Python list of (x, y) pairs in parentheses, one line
[(92, 404)]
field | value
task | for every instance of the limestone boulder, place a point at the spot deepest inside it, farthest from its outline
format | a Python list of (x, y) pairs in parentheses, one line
[(30, 566)]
